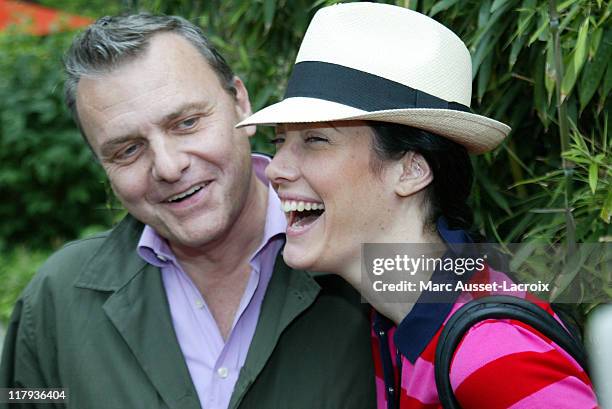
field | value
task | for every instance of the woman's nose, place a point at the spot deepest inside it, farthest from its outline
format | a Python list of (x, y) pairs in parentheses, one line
[(283, 168)]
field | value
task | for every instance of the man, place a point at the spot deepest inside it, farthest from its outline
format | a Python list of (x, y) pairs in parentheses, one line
[(186, 303)]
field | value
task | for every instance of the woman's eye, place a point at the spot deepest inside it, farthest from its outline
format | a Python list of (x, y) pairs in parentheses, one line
[(277, 141), (315, 139)]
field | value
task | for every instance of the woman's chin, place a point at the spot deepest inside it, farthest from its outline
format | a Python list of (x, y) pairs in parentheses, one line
[(297, 258), (303, 248)]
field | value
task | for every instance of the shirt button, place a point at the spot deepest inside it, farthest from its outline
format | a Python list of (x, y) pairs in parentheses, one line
[(222, 372), (199, 304)]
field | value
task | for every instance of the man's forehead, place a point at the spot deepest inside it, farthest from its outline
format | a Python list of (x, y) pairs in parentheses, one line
[(170, 65), (167, 57), (168, 76), (168, 46)]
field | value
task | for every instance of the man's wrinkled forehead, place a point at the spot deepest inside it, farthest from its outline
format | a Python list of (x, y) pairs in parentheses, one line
[(169, 73), (158, 66)]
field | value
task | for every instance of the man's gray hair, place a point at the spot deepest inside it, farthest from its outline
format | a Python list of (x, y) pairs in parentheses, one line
[(112, 41)]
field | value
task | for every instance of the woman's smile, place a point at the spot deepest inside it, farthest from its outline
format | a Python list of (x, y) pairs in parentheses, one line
[(329, 193), (301, 214)]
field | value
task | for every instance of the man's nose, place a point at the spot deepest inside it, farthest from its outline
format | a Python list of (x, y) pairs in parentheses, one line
[(169, 161), (283, 168)]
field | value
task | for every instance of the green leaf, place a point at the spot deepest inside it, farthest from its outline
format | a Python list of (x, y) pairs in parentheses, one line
[(517, 46), (269, 11), (607, 84), (497, 4), (581, 44), (483, 76), (569, 17), (441, 6), (484, 41), (412, 5), (565, 5), (576, 62), (593, 172), (550, 71), (519, 227), (484, 48), (493, 192), (539, 92), (521, 255), (484, 13), (544, 178), (596, 37), (606, 210), (574, 263), (524, 21), (528, 5), (594, 71), (604, 134), (540, 32)]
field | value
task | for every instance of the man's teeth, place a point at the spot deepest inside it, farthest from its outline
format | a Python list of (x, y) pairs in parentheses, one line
[(292, 206), (185, 194)]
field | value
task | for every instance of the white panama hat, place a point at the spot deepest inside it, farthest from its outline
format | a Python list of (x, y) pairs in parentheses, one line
[(378, 62)]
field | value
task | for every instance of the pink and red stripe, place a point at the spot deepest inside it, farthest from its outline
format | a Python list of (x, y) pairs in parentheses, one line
[(499, 364)]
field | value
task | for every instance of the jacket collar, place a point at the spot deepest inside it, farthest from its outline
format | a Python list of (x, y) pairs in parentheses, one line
[(418, 328), (139, 312), (115, 262)]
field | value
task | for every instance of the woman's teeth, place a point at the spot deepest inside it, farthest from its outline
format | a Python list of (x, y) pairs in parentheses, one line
[(300, 206)]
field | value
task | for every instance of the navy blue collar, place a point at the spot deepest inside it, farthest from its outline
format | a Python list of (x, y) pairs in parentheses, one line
[(417, 329)]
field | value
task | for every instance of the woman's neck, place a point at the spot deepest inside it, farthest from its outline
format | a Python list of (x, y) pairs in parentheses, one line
[(413, 233)]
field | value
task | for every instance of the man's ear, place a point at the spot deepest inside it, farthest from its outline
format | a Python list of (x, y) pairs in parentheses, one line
[(414, 174), (243, 105)]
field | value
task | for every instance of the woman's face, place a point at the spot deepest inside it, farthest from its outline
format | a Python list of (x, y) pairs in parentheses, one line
[(331, 197)]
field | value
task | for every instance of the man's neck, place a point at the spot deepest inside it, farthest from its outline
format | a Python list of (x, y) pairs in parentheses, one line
[(221, 270)]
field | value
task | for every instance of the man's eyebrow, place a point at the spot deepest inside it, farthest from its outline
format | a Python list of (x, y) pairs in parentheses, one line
[(183, 109)]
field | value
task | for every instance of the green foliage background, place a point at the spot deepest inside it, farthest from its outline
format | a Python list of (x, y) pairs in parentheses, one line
[(528, 189), (51, 186)]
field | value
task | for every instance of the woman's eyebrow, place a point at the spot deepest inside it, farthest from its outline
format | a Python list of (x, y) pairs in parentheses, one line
[(331, 125)]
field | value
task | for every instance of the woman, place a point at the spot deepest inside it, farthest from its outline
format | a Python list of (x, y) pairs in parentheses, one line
[(372, 146)]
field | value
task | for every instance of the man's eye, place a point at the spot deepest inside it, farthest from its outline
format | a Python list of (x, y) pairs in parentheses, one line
[(187, 124), (129, 151)]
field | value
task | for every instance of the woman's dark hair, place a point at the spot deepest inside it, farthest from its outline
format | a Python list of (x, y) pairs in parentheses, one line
[(452, 170)]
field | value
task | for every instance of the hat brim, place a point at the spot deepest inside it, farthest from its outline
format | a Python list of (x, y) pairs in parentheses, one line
[(476, 132)]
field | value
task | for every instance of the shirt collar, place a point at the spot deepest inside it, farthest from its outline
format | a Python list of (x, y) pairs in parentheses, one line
[(155, 250), (417, 329)]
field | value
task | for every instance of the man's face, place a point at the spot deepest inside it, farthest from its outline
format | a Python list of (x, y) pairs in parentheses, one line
[(162, 126)]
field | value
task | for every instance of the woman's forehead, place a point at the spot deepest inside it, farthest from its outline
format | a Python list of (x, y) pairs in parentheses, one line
[(338, 126)]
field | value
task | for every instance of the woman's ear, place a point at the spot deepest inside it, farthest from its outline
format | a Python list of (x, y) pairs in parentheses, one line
[(414, 174)]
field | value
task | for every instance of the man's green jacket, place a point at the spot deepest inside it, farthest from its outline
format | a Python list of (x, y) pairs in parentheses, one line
[(95, 320)]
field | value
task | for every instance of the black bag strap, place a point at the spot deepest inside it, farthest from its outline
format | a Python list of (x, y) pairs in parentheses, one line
[(496, 307)]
